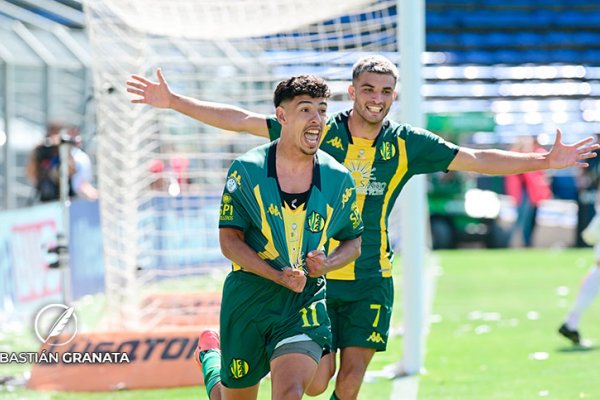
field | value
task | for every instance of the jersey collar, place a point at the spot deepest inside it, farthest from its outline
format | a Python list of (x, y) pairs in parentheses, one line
[(343, 118), (272, 168)]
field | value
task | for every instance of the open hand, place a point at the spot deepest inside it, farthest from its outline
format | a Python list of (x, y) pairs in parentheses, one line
[(156, 94), (565, 156)]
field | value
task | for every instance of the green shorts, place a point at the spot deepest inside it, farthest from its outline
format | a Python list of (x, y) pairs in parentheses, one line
[(257, 314), (360, 312)]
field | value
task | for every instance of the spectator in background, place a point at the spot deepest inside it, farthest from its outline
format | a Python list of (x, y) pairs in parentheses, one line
[(528, 190), (588, 180), (43, 168), (172, 176)]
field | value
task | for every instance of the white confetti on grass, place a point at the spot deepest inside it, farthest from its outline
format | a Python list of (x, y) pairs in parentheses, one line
[(562, 291), (475, 315), (485, 316), (539, 356), (482, 329), (533, 315), (492, 316)]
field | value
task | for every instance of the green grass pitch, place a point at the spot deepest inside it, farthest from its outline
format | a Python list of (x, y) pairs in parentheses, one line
[(493, 334)]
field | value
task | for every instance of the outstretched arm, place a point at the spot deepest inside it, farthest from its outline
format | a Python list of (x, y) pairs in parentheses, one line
[(158, 94), (235, 248), (317, 263), (501, 162)]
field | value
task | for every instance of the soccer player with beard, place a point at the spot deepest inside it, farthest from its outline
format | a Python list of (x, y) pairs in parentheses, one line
[(381, 155)]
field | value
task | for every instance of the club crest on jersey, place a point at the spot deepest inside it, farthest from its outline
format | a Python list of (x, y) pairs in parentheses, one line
[(315, 222), (233, 182), (239, 368), (387, 151)]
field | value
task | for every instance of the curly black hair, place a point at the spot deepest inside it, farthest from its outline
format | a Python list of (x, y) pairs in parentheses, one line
[(298, 85)]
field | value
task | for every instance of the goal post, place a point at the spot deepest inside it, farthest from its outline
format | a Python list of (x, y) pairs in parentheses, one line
[(160, 174)]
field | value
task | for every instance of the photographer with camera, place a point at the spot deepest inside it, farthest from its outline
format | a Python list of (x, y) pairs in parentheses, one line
[(43, 168)]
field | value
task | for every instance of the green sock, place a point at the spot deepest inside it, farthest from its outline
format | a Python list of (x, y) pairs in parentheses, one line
[(333, 396), (211, 368)]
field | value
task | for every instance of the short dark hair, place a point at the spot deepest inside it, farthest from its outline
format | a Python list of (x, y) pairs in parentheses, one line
[(376, 64), (298, 85)]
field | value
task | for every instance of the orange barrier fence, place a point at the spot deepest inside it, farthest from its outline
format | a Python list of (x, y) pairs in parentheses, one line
[(160, 358)]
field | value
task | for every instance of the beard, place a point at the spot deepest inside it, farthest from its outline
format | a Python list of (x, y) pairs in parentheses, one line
[(309, 152)]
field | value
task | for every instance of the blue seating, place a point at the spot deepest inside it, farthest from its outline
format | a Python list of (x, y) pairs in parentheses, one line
[(478, 57), (535, 56), (527, 39), (567, 56), (559, 38), (578, 19), (470, 39), (591, 56), (499, 19), (442, 39), (510, 57), (498, 39), (515, 31), (585, 38), (549, 3), (509, 3), (434, 20), (541, 19)]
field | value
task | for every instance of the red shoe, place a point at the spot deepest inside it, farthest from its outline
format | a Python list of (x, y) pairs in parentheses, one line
[(208, 340)]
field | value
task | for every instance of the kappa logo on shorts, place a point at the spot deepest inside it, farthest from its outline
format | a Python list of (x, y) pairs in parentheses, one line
[(375, 338), (239, 368)]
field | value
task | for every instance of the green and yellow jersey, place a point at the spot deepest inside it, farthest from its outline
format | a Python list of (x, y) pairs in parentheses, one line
[(283, 234), (380, 169)]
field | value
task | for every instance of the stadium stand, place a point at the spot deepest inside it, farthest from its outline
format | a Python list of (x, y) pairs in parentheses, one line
[(534, 63), (515, 31)]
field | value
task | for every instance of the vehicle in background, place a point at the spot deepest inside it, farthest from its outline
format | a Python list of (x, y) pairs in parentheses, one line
[(459, 213)]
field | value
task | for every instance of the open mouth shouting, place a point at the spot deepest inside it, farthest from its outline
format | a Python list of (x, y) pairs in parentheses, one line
[(312, 136)]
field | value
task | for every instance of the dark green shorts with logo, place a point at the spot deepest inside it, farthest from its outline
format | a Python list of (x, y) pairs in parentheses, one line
[(360, 312), (256, 314)]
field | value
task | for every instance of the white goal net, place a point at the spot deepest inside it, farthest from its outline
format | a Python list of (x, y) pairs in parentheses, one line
[(161, 174)]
